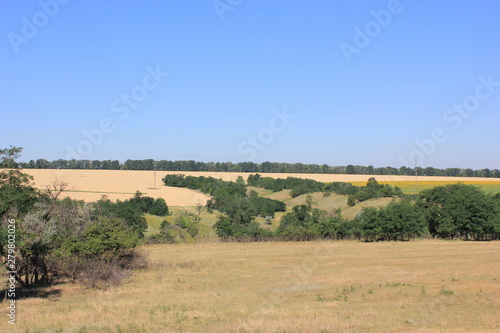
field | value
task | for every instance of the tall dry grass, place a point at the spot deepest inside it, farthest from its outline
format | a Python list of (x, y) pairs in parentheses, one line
[(420, 286)]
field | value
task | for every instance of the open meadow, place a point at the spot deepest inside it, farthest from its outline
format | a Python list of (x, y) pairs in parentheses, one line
[(329, 286), (90, 185), (326, 140)]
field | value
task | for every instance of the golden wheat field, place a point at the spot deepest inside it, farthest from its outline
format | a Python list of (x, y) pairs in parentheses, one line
[(331, 286), (90, 185)]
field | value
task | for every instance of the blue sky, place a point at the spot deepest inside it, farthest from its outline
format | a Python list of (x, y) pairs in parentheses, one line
[(335, 82)]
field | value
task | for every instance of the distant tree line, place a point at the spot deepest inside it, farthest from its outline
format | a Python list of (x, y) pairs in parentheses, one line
[(265, 167)]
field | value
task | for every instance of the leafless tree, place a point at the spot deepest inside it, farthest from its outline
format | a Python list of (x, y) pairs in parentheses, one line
[(54, 190)]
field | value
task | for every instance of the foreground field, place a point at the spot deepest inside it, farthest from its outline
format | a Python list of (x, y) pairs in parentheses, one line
[(421, 286), (90, 185)]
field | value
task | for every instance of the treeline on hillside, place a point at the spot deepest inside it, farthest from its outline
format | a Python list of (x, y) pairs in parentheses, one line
[(239, 208), (44, 239), (265, 167), (132, 210), (229, 197), (449, 212), (452, 212), (299, 186)]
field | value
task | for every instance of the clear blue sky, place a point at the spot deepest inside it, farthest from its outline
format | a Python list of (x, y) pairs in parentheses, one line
[(356, 98)]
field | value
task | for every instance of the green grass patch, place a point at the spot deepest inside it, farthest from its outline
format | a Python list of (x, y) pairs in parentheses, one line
[(262, 192), (205, 234), (154, 223), (447, 292)]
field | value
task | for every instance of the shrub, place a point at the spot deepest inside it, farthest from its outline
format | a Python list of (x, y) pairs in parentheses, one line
[(159, 207)]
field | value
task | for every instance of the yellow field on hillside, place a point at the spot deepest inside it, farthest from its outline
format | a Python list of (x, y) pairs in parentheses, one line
[(334, 286), (413, 187), (90, 185)]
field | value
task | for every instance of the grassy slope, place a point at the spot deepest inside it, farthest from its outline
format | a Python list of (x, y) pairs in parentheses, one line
[(329, 204), (419, 286), (206, 232)]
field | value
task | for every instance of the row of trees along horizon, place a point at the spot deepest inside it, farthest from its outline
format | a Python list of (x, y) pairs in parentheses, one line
[(265, 167), (96, 243)]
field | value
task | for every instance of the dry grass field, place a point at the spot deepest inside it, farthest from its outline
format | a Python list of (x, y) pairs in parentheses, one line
[(90, 185), (418, 286)]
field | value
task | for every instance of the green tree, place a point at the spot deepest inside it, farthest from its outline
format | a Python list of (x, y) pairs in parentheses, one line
[(463, 211), (36, 236), (335, 226), (186, 222), (17, 193), (402, 220), (253, 180), (129, 211), (350, 169), (159, 207), (106, 239), (303, 223), (309, 200), (373, 184), (363, 196), (369, 222), (351, 200)]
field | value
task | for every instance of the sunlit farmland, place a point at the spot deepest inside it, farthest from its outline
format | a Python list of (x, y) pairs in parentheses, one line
[(90, 185)]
